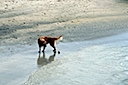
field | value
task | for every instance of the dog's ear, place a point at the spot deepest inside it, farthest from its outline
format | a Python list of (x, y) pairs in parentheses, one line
[(43, 40)]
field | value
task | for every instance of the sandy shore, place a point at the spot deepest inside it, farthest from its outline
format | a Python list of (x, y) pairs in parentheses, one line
[(22, 22)]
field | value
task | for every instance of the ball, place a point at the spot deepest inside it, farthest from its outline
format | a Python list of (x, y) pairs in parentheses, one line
[(58, 52)]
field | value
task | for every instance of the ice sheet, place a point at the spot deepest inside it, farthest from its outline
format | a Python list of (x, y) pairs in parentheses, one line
[(97, 62)]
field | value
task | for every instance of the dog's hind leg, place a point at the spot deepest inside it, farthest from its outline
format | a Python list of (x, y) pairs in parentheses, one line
[(54, 49), (53, 45)]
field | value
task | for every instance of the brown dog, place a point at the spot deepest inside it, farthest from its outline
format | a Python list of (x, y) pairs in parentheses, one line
[(44, 40)]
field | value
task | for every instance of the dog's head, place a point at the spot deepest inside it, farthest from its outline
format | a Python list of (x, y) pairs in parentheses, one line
[(43, 40)]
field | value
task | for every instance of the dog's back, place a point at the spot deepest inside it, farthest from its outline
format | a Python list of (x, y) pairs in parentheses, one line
[(50, 39)]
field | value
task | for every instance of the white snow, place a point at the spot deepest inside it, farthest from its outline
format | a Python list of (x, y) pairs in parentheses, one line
[(93, 51)]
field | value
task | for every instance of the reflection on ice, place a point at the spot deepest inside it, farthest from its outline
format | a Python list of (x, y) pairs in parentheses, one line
[(42, 60)]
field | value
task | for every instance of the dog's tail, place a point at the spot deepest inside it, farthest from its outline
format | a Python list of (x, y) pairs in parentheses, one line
[(60, 38)]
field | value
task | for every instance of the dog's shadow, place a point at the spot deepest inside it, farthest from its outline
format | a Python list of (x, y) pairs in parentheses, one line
[(42, 60)]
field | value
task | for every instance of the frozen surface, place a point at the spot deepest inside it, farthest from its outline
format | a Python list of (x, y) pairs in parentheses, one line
[(97, 62)]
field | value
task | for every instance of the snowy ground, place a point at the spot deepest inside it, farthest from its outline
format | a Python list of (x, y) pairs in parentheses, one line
[(93, 51), (23, 21)]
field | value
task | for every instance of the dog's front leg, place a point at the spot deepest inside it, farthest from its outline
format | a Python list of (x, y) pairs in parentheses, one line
[(44, 48), (39, 49)]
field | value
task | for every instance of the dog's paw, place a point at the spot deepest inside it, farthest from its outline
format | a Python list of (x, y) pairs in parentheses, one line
[(54, 51)]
